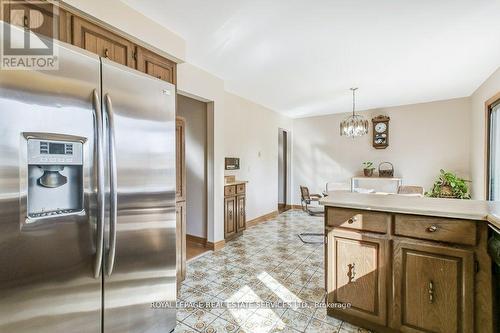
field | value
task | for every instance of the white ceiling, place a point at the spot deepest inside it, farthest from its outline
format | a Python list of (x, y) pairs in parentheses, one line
[(300, 57)]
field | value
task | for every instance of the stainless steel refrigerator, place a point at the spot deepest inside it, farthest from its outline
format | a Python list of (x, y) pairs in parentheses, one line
[(87, 198)]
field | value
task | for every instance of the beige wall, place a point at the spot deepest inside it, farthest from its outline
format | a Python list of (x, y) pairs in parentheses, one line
[(478, 129), (243, 129), (423, 139), (250, 132)]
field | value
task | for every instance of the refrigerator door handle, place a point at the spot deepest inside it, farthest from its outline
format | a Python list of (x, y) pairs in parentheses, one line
[(100, 184), (112, 184)]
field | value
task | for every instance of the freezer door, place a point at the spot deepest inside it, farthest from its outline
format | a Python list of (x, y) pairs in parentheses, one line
[(47, 282), (140, 263)]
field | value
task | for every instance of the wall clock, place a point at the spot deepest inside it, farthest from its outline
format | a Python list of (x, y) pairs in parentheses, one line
[(380, 132)]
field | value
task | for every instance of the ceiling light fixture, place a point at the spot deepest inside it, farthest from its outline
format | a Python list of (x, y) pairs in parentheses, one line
[(355, 125)]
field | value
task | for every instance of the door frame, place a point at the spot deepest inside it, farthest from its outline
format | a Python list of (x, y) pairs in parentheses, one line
[(209, 167), (286, 169)]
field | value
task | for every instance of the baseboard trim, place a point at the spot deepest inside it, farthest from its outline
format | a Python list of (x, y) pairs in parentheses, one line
[(215, 246), (203, 242), (283, 208), (198, 240), (262, 218)]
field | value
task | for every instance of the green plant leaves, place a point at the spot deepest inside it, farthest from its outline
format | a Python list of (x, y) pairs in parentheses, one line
[(449, 185)]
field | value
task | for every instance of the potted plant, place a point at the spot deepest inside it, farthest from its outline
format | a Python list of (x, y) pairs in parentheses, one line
[(368, 169), (449, 185)]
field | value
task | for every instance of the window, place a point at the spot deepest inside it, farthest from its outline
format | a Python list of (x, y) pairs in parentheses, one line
[(494, 152)]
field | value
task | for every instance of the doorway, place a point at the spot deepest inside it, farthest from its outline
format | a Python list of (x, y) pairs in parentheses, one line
[(283, 170), (194, 114)]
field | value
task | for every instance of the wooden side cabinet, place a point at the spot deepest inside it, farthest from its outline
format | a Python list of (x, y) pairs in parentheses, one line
[(434, 290), (180, 159), (240, 212), (230, 221), (180, 212), (234, 210), (357, 274), (180, 198)]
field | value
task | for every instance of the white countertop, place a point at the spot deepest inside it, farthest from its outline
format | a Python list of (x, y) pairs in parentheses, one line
[(453, 208)]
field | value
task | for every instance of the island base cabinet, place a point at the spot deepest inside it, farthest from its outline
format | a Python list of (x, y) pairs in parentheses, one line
[(357, 275), (434, 289)]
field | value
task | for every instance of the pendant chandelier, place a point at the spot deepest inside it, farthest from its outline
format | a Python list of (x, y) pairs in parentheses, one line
[(355, 125)]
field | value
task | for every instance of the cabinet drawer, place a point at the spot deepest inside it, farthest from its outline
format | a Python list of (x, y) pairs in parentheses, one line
[(358, 219), (436, 229), (229, 190), (240, 189)]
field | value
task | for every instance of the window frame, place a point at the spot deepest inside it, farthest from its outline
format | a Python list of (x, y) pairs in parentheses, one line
[(489, 105)]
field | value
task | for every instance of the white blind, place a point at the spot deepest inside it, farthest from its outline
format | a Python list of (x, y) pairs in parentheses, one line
[(494, 154)]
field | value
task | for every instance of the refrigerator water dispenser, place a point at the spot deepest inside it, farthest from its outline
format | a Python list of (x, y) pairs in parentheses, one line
[(55, 177)]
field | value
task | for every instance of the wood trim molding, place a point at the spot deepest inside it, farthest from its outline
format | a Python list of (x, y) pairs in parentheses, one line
[(487, 109), (198, 240), (262, 218), (215, 246)]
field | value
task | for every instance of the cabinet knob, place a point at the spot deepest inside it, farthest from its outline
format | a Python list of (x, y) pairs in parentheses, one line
[(432, 228), (352, 220)]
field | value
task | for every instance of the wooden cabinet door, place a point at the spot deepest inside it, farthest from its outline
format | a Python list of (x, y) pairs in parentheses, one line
[(433, 288), (240, 203), (41, 18), (102, 42), (356, 274), (180, 210), (230, 218), (155, 65), (180, 158)]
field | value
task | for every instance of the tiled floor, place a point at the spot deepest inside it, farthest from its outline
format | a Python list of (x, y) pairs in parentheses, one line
[(268, 263)]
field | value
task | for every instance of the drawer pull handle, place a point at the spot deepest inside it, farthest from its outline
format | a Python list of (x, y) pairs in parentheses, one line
[(25, 22), (431, 292), (352, 220), (432, 228), (106, 53), (351, 272)]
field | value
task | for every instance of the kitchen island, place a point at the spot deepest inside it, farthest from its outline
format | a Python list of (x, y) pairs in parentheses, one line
[(409, 264)]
